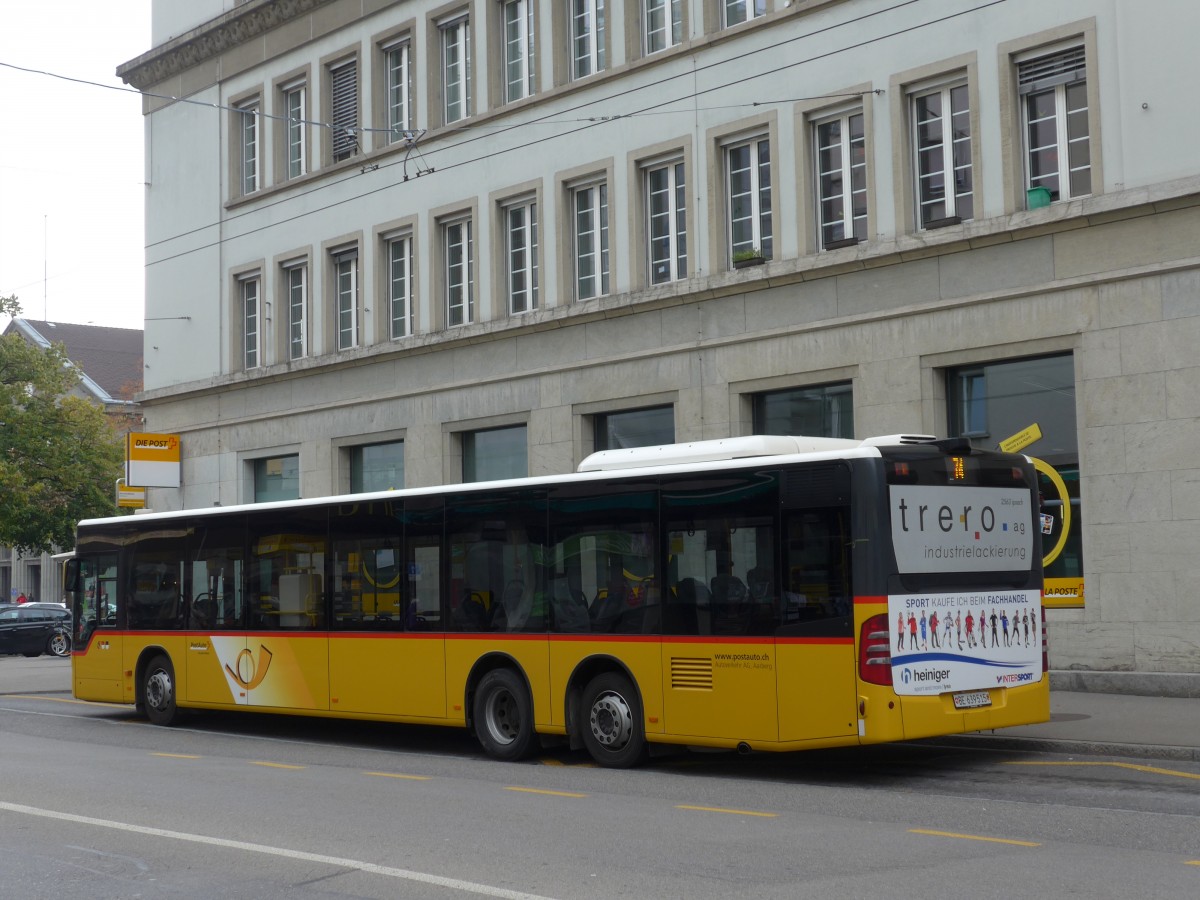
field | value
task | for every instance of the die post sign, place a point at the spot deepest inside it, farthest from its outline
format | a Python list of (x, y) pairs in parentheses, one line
[(152, 460)]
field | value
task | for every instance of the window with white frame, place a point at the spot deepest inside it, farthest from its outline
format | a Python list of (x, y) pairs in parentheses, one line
[(748, 192), (841, 155), (294, 130), (398, 62), (587, 37), (345, 290), (458, 253), (296, 284), (1054, 111), (521, 255), (590, 209), (662, 22), (738, 11), (247, 118), (518, 49), (400, 285), (250, 297), (666, 221), (456, 69), (941, 119), (343, 92)]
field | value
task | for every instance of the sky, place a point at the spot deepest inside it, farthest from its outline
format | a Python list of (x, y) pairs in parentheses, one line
[(71, 161)]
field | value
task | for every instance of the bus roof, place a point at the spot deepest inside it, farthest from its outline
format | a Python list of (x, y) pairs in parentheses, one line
[(697, 456)]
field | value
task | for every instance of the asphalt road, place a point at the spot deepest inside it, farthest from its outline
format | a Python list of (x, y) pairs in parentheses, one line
[(96, 803)]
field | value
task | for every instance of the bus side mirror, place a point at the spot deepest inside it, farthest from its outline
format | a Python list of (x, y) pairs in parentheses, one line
[(71, 576)]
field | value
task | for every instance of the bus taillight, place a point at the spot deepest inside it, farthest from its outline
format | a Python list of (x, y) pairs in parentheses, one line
[(875, 651)]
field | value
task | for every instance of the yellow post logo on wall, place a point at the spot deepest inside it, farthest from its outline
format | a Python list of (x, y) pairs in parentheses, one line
[(152, 460)]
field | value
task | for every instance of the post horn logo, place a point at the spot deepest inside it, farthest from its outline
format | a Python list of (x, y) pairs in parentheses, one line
[(250, 674)]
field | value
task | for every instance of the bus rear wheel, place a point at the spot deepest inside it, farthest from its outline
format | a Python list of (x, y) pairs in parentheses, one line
[(503, 715), (158, 692), (613, 728)]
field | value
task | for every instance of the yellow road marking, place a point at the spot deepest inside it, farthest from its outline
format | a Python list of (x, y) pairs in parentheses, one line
[(732, 812), (1153, 770), (399, 775), (1192, 862), (526, 790), (973, 837), (548, 761), (177, 755), (272, 765)]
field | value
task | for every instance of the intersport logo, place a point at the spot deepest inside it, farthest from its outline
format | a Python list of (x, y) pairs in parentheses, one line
[(1014, 679)]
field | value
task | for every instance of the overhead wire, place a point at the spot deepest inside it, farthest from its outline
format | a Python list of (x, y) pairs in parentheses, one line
[(481, 131)]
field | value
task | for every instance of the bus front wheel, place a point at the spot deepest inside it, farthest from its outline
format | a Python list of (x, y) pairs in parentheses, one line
[(613, 729), (158, 692), (503, 715)]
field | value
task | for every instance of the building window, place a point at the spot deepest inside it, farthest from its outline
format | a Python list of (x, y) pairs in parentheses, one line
[(456, 69), (666, 226), (518, 49), (748, 175), (345, 289), (739, 11), (248, 287), (820, 411), (591, 240), (587, 37), (662, 23), (842, 180), (649, 427), (1054, 108), (521, 256), (942, 137), (247, 116), (277, 478), (343, 92), (990, 402), (294, 130), (377, 467), (400, 285), (495, 453), (399, 90), (458, 253), (296, 279)]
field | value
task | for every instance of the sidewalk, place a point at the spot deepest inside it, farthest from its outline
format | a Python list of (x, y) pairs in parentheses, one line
[(1094, 722), (1104, 724)]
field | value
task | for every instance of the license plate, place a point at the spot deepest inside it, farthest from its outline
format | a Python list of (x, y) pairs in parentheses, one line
[(972, 699)]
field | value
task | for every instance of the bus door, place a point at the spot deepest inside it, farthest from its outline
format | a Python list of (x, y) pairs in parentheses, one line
[(815, 633), (96, 641), (719, 660), (216, 642)]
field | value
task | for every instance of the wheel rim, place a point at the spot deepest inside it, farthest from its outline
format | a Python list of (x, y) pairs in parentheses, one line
[(158, 690), (611, 720), (59, 645), (502, 717)]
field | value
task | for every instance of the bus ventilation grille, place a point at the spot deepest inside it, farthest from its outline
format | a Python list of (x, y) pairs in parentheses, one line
[(691, 674)]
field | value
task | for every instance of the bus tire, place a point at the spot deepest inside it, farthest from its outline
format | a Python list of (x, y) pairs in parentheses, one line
[(611, 722), (503, 715), (158, 691)]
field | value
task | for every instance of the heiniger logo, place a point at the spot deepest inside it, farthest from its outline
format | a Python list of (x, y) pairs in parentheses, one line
[(920, 675)]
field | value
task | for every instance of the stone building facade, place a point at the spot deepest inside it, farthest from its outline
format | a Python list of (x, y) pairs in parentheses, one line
[(406, 242)]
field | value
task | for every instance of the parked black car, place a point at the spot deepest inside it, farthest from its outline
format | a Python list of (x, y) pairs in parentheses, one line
[(35, 628)]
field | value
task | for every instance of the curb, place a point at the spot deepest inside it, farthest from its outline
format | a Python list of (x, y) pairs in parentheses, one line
[(1052, 745)]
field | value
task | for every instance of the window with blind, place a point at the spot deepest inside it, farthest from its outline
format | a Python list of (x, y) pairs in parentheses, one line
[(343, 109), (1054, 111)]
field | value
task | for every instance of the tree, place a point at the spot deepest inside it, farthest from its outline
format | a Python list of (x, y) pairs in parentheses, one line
[(59, 455)]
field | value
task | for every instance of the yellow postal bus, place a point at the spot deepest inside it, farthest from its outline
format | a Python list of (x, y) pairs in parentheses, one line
[(765, 593)]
